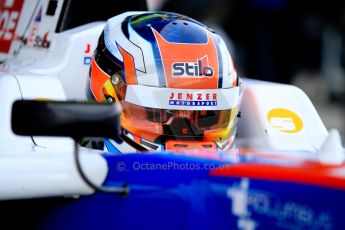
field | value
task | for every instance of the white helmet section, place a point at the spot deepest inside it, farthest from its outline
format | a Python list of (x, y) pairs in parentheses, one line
[(185, 99), (229, 72), (138, 48)]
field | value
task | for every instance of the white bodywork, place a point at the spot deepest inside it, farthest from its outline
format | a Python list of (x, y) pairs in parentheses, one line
[(37, 166), (41, 167), (260, 98)]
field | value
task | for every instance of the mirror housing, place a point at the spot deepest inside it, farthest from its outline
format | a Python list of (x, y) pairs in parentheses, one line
[(65, 118)]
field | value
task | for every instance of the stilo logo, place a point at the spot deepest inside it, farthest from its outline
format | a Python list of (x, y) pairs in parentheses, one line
[(197, 69)]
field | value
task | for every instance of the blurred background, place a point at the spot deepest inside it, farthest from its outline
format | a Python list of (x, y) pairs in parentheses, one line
[(286, 41)]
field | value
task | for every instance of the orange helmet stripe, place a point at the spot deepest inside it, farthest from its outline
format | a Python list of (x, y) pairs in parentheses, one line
[(97, 80), (128, 63)]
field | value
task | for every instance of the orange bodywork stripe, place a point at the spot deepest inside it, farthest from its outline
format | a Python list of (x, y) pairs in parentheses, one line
[(306, 173)]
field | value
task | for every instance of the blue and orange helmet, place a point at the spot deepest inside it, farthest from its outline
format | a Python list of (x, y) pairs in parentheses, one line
[(174, 79)]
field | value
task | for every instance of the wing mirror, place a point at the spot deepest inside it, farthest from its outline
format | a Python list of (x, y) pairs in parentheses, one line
[(69, 119), (63, 118)]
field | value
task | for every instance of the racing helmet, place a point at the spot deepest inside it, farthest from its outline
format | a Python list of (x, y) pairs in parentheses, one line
[(174, 79)]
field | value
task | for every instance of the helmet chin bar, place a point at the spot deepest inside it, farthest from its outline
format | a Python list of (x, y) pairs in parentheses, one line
[(180, 130)]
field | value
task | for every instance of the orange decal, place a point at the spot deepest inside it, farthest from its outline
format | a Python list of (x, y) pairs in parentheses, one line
[(284, 120), (188, 145), (128, 63), (189, 66), (98, 78)]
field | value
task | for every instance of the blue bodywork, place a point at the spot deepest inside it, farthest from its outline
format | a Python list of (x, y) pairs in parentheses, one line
[(177, 197)]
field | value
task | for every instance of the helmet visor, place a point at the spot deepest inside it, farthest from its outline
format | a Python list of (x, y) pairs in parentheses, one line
[(151, 123)]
